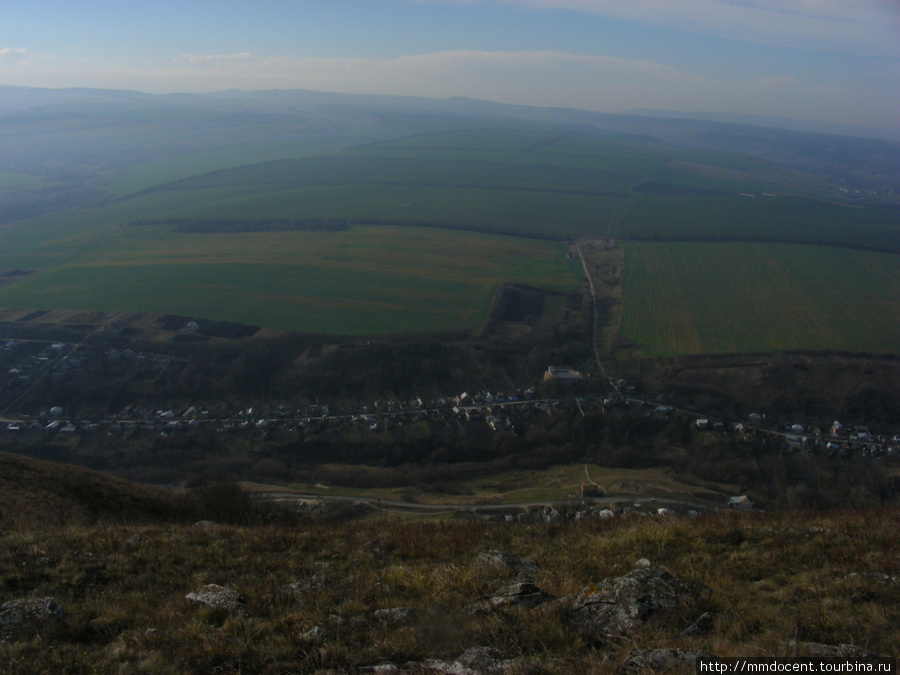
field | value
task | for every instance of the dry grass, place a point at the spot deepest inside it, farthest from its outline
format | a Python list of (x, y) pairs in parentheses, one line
[(34, 492), (773, 578)]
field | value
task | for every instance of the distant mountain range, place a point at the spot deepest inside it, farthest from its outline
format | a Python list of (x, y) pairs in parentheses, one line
[(45, 130), (15, 98)]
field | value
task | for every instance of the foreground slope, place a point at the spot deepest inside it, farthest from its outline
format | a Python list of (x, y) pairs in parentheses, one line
[(311, 596), (34, 493)]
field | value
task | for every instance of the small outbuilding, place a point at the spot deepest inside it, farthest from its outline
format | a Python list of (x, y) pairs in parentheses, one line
[(741, 502)]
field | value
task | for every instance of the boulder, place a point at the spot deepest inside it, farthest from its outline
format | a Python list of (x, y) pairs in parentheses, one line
[(219, 597), (664, 659), (473, 661), (821, 650), (482, 661), (314, 634), (23, 618), (395, 615), (312, 583), (500, 559), (876, 578), (521, 593), (618, 605)]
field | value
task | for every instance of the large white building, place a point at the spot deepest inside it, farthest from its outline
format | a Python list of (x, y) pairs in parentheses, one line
[(562, 374)]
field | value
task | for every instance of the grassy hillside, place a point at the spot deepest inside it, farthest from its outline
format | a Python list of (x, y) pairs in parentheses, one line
[(35, 493), (775, 584)]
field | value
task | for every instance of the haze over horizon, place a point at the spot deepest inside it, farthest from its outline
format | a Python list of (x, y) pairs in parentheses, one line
[(822, 61)]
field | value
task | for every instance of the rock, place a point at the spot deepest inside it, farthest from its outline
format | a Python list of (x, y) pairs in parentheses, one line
[(664, 659), (878, 578), (703, 624), (220, 597), (314, 634), (618, 605), (379, 588), (313, 583), (552, 516), (483, 660), (501, 559), (643, 563), (395, 615), (521, 593), (21, 619), (473, 661), (818, 649)]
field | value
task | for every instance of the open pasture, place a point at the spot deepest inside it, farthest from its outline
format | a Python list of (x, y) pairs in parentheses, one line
[(362, 170), (362, 281), (542, 181), (682, 298), (739, 217), (158, 172), (534, 183), (521, 213)]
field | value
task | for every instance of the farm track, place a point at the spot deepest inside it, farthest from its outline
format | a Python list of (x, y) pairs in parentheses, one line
[(593, 311), (609, 282)]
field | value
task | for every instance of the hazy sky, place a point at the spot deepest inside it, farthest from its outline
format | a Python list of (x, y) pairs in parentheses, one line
[(835, 61)]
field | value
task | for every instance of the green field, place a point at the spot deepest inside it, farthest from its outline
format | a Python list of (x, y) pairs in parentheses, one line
[(781, 218), (391, 274), (361, 281), (517, 182), (749, 297)]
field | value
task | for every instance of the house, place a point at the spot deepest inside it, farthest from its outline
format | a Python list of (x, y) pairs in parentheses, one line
[(562, 374), (861, 435), (793, 441), (741, 502), (589, 490)]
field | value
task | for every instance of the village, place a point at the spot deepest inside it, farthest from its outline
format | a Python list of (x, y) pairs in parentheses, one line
[(43, 366)]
